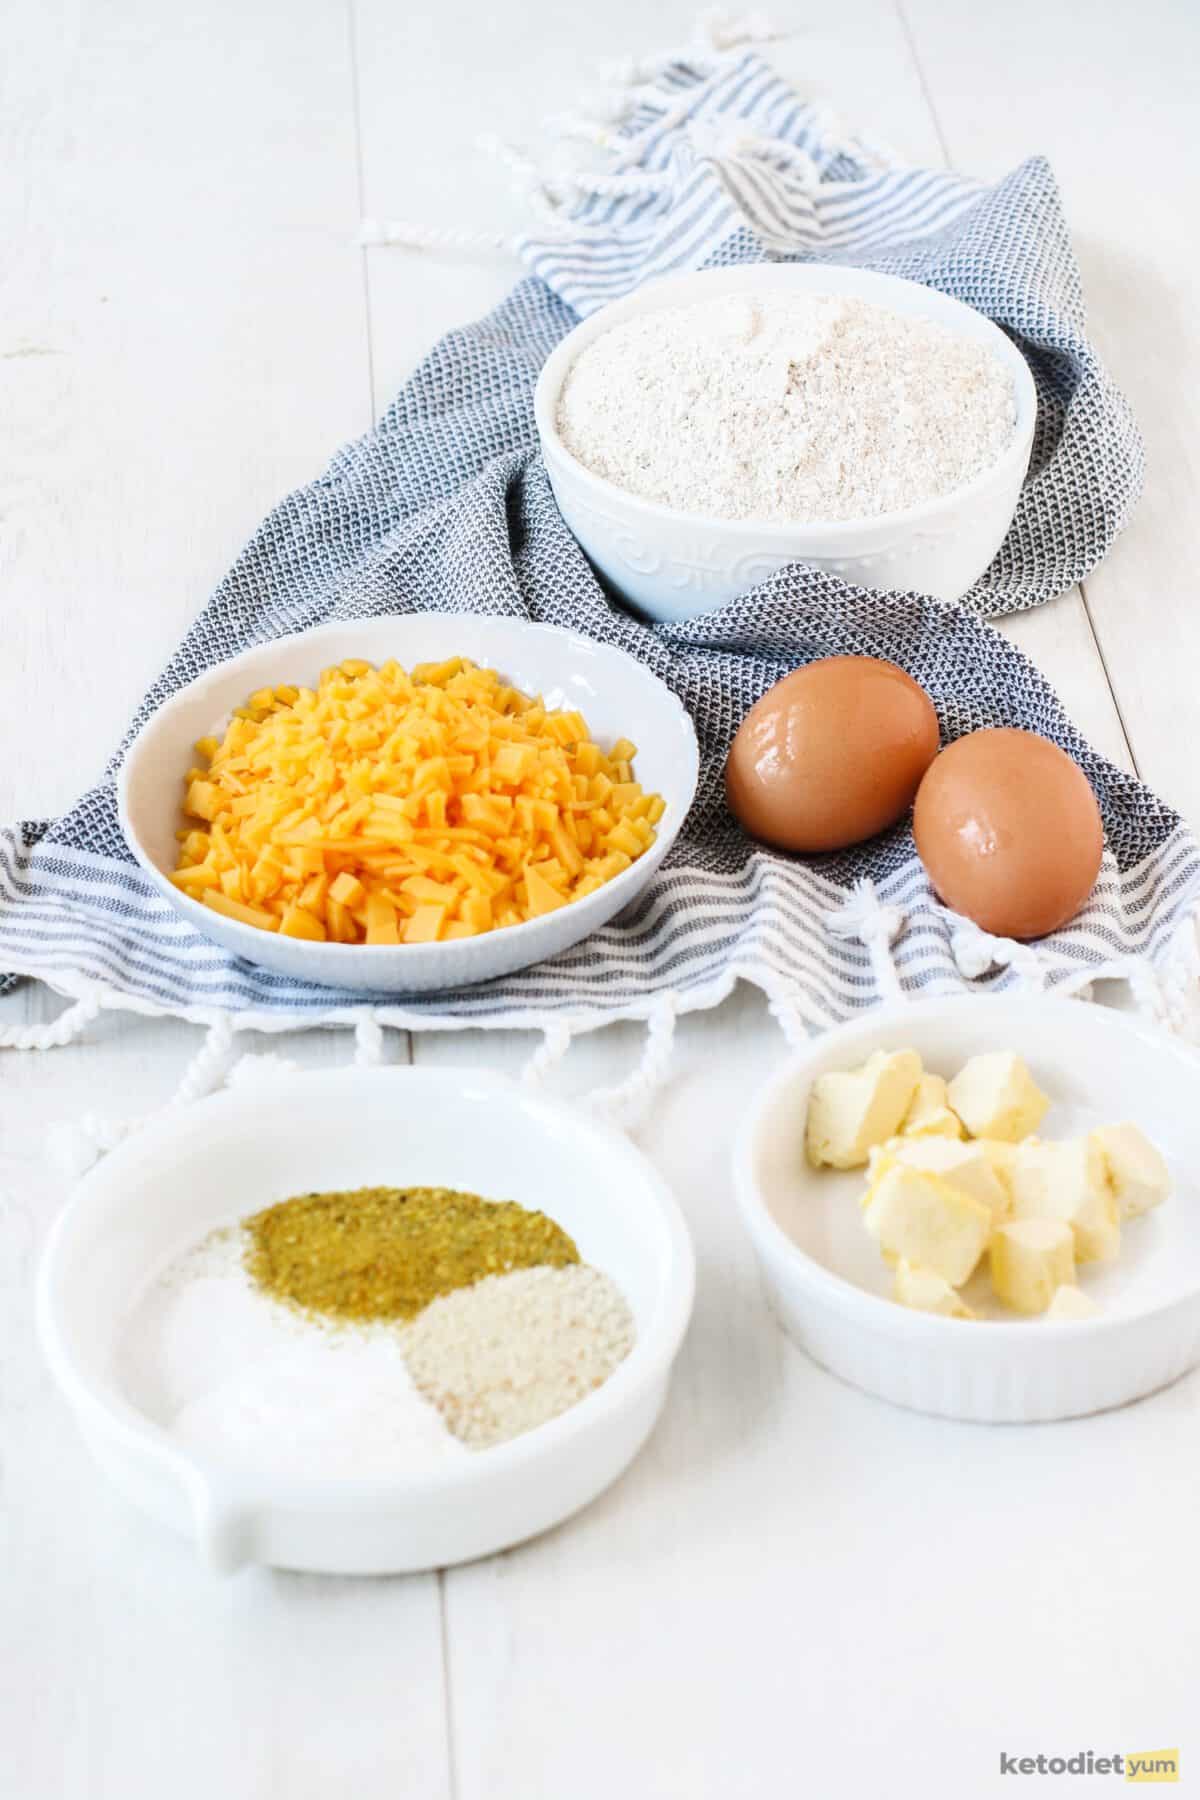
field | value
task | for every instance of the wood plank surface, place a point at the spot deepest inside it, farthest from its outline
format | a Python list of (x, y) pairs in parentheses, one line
[(712, 1644), (1108, 94), (181, 336), (795, 1588), (183, 339)]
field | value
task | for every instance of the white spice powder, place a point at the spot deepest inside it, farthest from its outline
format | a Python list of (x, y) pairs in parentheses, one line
[(786, 408), (263, 1387), (255, 1385), (516, 1350)]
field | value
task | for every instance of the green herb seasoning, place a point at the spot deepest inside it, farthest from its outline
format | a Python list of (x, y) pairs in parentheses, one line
[(385, 1253)]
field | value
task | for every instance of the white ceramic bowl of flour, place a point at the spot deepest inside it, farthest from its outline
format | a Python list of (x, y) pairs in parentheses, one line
[(674, 564), (206, 1166)]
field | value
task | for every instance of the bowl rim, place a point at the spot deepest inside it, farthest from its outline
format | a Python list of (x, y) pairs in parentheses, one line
[(775, 533), (101, 1408), (627, 883), (875, 1312)]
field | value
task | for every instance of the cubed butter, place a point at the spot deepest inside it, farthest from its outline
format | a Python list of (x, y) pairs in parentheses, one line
[(851, 1111), (1031, 1260), (929, 1114), (1072, 1303), (926, 1291), (1001, 1157), (995, 1096), (964, 1166), (922, 1218), (1068, 1180), (1140, 1178)]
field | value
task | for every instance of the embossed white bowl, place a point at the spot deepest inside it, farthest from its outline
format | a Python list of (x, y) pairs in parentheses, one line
[(674, 565)]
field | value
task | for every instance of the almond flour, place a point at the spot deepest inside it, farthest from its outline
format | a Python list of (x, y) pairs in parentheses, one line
[(786, 408), (516, 1350)]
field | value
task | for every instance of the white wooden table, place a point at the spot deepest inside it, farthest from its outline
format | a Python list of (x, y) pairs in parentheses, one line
[(796, 1590)]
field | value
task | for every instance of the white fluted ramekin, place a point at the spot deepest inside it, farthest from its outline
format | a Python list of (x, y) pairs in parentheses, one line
[(675, 565), (829, 1286)]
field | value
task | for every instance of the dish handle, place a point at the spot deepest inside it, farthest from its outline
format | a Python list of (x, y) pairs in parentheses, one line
[(224, 1522)]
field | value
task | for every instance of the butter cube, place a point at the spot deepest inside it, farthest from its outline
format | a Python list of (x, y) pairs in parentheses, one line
[(929, 1114), (925, 1220), (849, 1112), (925, 1291), (1140, 1178), (1072, 1303), (964, 1166), (1001, 1158), (1069, 1181), (1031, 1260), (995, 1096)]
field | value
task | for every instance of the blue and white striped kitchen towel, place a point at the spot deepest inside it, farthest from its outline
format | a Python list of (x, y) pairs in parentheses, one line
[(446, 507)]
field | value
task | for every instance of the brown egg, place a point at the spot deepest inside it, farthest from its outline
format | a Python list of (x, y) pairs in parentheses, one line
[(1009, 831), (831, 754)]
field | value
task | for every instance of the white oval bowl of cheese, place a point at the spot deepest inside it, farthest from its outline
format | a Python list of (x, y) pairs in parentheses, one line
[(1138, 1326), (618, 695)]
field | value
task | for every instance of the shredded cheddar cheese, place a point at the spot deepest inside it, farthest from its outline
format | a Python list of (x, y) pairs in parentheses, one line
[(393, 808)]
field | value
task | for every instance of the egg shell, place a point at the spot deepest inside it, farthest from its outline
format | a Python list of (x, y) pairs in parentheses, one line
[(831, 754), (1009, 831)]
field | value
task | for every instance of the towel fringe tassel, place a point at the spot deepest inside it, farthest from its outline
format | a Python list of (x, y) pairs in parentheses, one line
[(68, 1026), (876, 925), (368, 1042), (628, 1102), (629, 85), (556, 1041)]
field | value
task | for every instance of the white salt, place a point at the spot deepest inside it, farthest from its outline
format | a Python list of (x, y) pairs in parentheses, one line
[(324, 1406), (250, 1383)]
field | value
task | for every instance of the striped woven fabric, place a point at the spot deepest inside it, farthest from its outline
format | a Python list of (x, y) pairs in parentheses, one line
[(445, 507), (731, 167)]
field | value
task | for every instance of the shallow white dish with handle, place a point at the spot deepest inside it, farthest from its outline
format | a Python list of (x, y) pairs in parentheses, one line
[(675, 565), (210, 1164), (618, 697), (828, 1284)]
